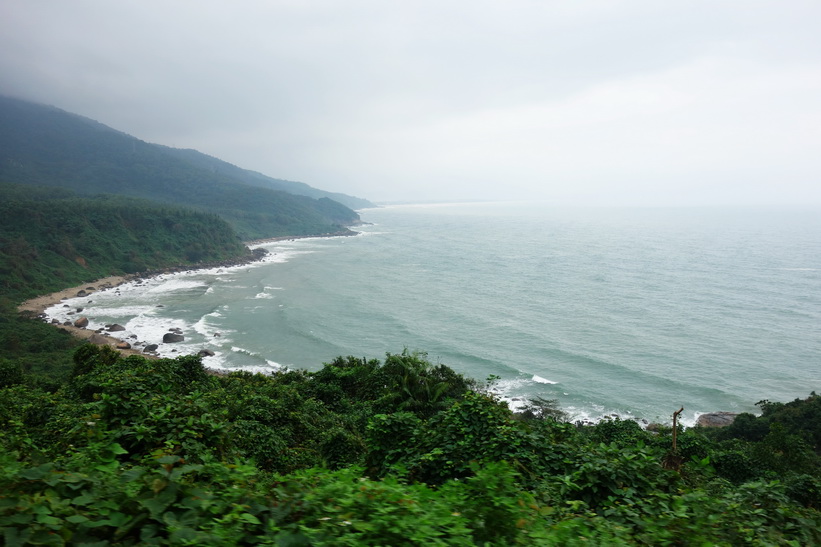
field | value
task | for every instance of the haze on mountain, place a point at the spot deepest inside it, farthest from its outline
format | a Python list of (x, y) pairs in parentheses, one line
[(46, 146), (617, 102)]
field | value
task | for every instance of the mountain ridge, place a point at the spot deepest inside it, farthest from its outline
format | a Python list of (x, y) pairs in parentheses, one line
[(43, 145)]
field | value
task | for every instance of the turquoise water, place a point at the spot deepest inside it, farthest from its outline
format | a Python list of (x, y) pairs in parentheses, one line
[(630, 311)]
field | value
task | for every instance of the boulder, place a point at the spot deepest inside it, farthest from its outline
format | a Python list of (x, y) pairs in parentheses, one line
[(716, 419), (99, 339), (115, 328), (171, 337), (81, 322), (123, 345), (205, 353), (150, 347), (82, 293)]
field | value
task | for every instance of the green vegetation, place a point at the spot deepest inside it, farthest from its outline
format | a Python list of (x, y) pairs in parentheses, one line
[(101, 449), (45, 146), (401, 452), (50, 240)]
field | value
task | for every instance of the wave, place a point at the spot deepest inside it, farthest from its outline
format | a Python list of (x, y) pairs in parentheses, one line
[(540, 380)]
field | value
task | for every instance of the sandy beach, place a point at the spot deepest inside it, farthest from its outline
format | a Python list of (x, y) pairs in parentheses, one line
[(37, 306)]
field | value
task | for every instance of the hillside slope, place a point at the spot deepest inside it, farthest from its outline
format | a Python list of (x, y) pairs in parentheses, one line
[(50, 239), (42, 145), (254, 178)]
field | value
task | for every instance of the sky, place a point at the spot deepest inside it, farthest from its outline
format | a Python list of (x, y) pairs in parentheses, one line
[(600, 102)]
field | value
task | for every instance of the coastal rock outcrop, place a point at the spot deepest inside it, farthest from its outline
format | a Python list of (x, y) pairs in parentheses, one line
[(81, 322), (205, 353), (123, 345), (114, 328), (171, 337), (150, 347), (99, 339), (716, 419)]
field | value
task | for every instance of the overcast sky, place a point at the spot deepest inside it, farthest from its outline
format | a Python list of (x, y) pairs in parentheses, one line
[(572, 102)]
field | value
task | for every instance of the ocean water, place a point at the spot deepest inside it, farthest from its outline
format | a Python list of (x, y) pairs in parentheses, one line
[(635, 312)]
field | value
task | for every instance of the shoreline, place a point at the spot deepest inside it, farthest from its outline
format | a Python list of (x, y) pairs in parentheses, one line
[(36, 307), (341, 233)]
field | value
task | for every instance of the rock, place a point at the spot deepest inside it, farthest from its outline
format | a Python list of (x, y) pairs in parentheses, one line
[(116, 328), (205, 353), (99, 339), (171, 337), (123, 345), (82, 293), (81, 322), (55, 321), (150, 347), (90, 288), (716, 419), (79, 310)]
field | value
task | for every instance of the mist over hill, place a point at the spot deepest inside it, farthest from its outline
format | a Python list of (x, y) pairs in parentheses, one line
[(46, 146)]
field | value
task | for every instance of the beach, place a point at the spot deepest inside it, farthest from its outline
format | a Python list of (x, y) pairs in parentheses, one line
[(37, 306)]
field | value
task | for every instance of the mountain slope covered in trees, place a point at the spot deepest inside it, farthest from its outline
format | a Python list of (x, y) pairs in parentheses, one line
[(41, 145), (51, 239)]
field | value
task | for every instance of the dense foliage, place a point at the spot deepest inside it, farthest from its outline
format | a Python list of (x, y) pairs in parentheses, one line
[(42, 145), (50, 240), (362, 452), (100, 449)]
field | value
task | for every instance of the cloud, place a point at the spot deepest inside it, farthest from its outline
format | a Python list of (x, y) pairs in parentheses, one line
[(606, 102)]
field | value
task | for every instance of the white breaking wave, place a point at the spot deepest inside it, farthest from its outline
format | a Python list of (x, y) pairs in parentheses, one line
[(540, 380)]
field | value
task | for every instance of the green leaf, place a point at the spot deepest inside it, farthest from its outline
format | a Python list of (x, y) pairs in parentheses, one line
[(248, 517)]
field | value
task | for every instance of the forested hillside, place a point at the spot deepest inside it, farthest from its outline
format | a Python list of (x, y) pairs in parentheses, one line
[(258, 179), (46, 146), (51, 239)]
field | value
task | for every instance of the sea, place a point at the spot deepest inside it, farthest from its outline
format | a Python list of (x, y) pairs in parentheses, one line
[(632, 312)]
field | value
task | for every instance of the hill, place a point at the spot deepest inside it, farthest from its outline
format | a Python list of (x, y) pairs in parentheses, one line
[(254, 178), (46, 146), (51, 239)]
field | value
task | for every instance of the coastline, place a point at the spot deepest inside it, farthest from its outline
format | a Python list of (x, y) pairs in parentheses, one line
[(36, 307), (341, 233)]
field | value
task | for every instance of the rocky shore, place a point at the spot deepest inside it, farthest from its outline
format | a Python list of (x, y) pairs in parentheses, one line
[(36, 307)]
